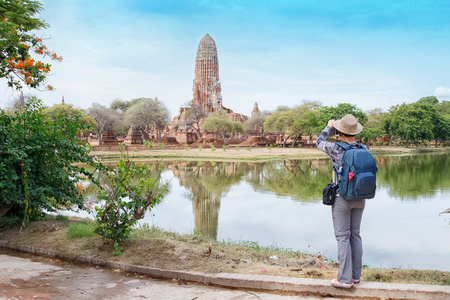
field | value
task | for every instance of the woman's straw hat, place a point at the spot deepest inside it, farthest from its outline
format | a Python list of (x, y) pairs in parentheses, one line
[(348, 125)]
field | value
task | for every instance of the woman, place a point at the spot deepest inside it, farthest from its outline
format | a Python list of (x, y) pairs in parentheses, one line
[(346, 214)]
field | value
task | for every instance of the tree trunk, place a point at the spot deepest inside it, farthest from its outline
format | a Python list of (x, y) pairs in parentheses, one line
[(199, 136), (284, 142), (3, 211), (295, 140), (100, 137), (224, 139)]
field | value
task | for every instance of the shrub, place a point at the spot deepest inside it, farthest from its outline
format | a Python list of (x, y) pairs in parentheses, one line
[(148, 144), (200, 148), (187, 148), (224, 148), (249, 148), (237, 148), (213, 148), (41, 163), (161, 146), (131, 192)]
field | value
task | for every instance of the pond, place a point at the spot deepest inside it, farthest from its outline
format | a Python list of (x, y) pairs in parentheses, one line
[(278, 203)]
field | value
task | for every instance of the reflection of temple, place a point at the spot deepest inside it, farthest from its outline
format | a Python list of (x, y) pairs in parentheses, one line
[(208, 183), (205, 203), (206, 211)]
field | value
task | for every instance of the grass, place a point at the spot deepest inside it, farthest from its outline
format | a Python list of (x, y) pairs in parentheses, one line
[(80, 230), (407, 276), (152, 246), (253, 251), (61, 218)]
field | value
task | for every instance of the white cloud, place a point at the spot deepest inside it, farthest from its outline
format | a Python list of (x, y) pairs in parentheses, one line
[(442, 91)]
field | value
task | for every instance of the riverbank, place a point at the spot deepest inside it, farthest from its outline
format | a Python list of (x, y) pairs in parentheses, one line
[(252, 154), (152, 247)]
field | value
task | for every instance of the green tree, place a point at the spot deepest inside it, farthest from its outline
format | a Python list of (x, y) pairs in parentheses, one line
[(338, 112), (68, 112), (441, 129), (308, 122), (220, 123), (120, 106), (443, 108), (146, 111), (282, 120), (442, 125), (37, 164), (17, 21), (431, 100), (411, 122), (373, 128), (300, 119)]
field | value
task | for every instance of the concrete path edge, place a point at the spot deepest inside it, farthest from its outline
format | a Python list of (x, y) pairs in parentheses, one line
[(261, 282)]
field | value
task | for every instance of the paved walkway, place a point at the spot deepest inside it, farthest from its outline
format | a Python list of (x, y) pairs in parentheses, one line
[(27, 276), (298, 286)]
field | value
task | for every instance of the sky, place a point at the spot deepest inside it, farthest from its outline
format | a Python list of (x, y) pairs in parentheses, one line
[(373, 54)]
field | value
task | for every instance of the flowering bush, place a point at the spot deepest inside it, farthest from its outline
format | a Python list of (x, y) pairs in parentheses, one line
[(17, 44)]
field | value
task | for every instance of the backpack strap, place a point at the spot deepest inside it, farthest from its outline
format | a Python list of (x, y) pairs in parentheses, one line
[(346, 146)]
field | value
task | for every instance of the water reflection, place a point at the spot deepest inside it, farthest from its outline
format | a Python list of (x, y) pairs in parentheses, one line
[(414, 177), (280, 202), (302, 180), (207, 183)]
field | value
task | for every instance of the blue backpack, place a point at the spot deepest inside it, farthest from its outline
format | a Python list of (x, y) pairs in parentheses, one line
[(357, 177)]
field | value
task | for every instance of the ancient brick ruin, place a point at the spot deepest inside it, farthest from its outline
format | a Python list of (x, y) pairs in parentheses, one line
[(207, 95), (207, 89)]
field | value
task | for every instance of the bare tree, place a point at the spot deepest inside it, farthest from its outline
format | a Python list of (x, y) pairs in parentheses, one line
[(193, 117), (104, 117), (256, 123)]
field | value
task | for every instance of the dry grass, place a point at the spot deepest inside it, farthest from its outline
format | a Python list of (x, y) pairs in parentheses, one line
[(150, 246)]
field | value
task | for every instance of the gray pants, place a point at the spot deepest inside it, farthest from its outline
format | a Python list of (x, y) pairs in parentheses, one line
[(347, 221)]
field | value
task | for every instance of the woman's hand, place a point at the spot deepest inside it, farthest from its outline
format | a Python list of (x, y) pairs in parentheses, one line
[(330, 123)]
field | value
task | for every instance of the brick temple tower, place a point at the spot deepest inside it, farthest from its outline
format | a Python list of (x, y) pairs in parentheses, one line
[(207, 90)]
